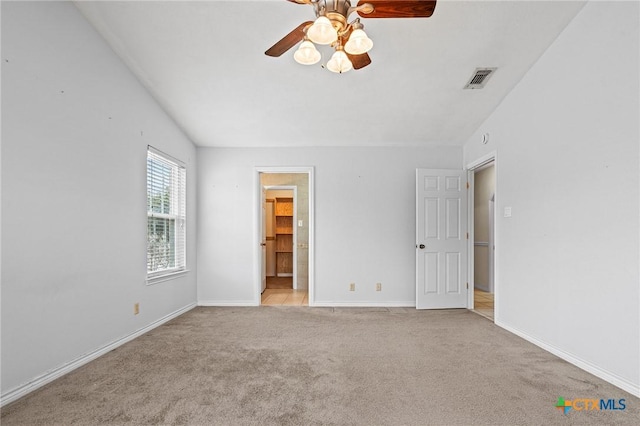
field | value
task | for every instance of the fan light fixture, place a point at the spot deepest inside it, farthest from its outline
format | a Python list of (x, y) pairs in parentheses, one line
[(358, 42), (322, 31), (307, 54), (332, 27), (339, 62), (336, 32)]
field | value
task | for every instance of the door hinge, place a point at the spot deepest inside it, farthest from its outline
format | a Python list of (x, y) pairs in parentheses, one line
[(467, 185), (467, 286), (467, 235)]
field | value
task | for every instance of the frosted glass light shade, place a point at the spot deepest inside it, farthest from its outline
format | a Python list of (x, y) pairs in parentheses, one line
[(339, 62), (358, 43), (307, 54), (322, 32)]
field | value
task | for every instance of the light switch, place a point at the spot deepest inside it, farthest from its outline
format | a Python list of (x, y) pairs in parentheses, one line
[(299, 224), (507, 212)]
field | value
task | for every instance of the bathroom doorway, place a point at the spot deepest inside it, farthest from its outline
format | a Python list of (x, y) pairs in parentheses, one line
[(483, 220)]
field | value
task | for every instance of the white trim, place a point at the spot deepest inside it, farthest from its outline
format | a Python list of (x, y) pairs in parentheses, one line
[(492, 239), (257, 208), (471, 268), (169, 157), (312, 238), (167, 276), (221, 303), (612, 378), (407, 304), (482, 161), (163, 216), (51, 375)]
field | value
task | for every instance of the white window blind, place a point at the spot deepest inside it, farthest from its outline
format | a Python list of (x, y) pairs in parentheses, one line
[(166, 214)]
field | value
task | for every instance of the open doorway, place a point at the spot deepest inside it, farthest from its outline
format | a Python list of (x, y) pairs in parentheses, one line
[(280, 216), (482, 220), (285, 233)]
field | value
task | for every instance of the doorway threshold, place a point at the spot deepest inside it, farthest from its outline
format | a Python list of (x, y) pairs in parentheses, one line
[(484, 313)]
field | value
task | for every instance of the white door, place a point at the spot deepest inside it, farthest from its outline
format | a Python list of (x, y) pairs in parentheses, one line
[(441, 239)]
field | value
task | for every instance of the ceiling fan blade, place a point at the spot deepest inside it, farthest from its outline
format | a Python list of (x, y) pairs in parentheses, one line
[(300, 1), (288, 41), (399, 8), (359, 61)]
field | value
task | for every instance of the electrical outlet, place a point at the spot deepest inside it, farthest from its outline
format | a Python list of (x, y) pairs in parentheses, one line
[(352, 287), (378, 286), (136, 308)]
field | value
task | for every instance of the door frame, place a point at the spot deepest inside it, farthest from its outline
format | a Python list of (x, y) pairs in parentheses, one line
[(471, 168), (294, 190), (492, 238), (257, 225)]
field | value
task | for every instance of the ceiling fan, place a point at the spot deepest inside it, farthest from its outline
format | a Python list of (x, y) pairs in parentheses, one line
[(332, 27)]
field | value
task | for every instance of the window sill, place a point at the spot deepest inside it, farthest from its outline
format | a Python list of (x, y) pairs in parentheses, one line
[(166, 277)]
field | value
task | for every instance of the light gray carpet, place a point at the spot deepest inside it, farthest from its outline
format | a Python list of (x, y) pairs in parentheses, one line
[(321, 366)]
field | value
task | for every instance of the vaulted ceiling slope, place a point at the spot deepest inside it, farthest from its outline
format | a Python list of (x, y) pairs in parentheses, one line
[(204, 62)]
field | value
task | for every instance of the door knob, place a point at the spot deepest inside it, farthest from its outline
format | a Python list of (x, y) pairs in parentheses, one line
[(421, 246)]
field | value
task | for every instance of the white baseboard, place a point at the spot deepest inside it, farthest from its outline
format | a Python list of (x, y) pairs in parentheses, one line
[(407, 304), (624, 384), (228, 303), (51, 375), (222, 303)]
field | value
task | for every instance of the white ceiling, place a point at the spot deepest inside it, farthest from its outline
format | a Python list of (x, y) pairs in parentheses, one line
[(204, 62)]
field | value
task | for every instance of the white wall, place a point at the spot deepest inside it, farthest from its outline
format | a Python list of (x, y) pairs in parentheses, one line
[(567, 144), (364, 220), (75, 127)]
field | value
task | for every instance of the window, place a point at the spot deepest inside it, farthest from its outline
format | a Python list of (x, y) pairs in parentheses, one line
[(166, 215)]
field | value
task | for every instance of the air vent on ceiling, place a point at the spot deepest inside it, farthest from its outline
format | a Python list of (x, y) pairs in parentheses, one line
[(480, 78)]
